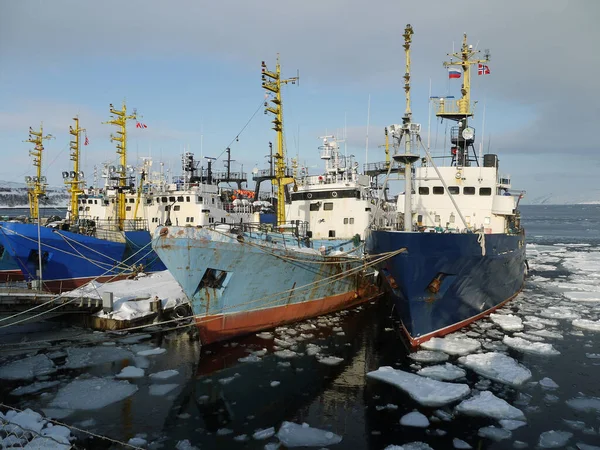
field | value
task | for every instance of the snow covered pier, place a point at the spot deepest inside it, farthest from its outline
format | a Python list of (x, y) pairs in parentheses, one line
[(26, 305), (112, 306)]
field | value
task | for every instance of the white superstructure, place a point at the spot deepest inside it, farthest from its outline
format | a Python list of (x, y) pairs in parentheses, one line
[(340, 203), (480, 194)]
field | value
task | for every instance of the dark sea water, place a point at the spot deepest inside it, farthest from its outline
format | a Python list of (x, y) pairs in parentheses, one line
[(216, 401)]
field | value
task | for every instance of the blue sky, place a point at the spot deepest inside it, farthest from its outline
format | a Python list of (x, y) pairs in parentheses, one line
[(192, 69)]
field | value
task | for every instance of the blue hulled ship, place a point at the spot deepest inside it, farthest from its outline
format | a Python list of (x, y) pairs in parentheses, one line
[(459, 223), (63, 255)]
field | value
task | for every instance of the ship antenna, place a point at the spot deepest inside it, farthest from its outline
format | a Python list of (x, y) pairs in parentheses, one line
[(120, 119), (74, 179), (36, 186), (273, 84), (460, 110)]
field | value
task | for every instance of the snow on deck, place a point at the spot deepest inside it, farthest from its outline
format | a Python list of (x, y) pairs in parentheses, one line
[(131, 298)]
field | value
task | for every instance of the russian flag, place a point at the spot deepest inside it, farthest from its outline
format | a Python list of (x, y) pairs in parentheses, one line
[(454, 72)]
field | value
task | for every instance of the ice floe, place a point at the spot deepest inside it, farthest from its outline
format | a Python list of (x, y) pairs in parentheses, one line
[(161, 389), (428, 356), (152, 352), (548, 334), (130, 372), (460, 444), (558, 312), (548, 383), (511, 425), (423, 390), (585, 404), (294, 435), (554, 439), (330, 360), (250, 358), (285, 354), (508, 322), (414, 419), (78, 358), (164, 375), (27, 368), (585, 324), (92, 393), (494, 433), (583, 296), (262, 434), (536, 348), (452, 345), (445, 372), (498, 367), (34, 387), (487, 404), (265, 335)]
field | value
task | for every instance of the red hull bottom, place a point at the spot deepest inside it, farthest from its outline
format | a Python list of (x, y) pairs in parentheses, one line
[(221, 327), (415, 342), (6, 276)]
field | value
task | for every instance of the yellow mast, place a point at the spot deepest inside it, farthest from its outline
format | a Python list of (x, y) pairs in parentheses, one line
[(461, 109), (120, 120), (73, 180), (274, 86), (36, 185)]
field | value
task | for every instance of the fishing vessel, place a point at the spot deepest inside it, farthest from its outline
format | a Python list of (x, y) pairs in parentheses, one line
[(246, 277), (68, 254), (459, 223)]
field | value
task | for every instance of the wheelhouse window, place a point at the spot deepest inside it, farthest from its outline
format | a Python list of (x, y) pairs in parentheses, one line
[(469, 190), (180, 198), (438, 190), (423, 190), (328, 206), (454, 190), (314, 206), (171, 199), (485, 191), (176, 208)]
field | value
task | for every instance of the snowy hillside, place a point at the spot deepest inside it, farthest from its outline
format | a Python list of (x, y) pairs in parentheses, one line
[(14, 195), (591, 197)]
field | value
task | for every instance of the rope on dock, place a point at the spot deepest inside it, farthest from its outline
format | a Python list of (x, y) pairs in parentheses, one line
[(56, 422)]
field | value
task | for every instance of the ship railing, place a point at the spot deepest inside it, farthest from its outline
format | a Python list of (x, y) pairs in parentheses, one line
[(106, 228), (295, 232)]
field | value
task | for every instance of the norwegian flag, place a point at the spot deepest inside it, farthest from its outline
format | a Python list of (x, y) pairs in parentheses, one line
[(140, 125), (483, 70), (87, 141)]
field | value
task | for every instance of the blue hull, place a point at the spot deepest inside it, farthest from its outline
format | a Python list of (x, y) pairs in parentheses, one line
[(70, 259), (239, 284), (9, 269), (469, 284)]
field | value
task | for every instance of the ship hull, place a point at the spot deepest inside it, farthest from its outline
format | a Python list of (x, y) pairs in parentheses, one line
[(70, 260), (470, 283), (260, 285)]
